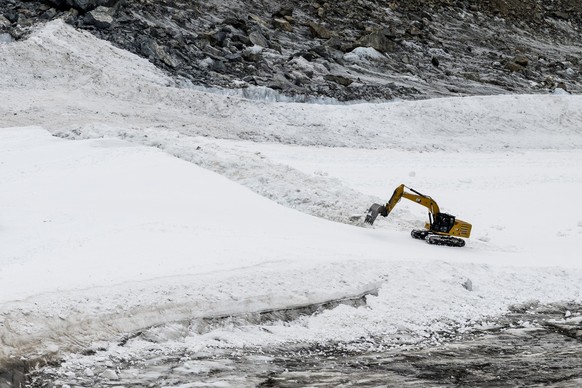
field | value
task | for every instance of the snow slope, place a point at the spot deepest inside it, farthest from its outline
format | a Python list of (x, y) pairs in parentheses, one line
[(103, 236), (59, 79)]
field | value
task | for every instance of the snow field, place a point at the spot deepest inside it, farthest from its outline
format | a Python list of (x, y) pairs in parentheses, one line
[(103, 236)]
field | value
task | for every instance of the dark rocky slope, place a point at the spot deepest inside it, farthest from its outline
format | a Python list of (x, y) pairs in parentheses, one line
[(347, 50)]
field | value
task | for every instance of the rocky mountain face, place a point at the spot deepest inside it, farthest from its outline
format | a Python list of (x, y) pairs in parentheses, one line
[(345, 50)]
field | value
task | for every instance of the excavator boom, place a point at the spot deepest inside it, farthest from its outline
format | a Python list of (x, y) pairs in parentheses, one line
[(414, 196), (442, 228)]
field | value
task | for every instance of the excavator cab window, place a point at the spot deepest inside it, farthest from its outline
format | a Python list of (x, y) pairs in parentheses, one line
[(443, 222)]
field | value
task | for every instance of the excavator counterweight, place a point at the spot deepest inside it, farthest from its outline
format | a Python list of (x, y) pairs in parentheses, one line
[(442, 228)]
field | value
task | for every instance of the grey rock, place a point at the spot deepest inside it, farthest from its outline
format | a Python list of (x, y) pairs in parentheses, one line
[(334, 42), (71, 16), (282, 12), (561, 15), (276, 46), (549, 82), (100, 17), (242, 39), (218, 38), (156, 53), (344, 81), (237, 23), (211, 51), (318, 31), (50, 13), (378, 41), (11, 16), (258, 39), (218, 66), (282, 24), (513, 67), (521, 60), (4, 22), (233, 57), (414, 31), (280, 82), (252, 55), (25, 22)]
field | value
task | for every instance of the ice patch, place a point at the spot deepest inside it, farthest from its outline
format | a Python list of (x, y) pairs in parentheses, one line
[(363, 53), (560, 92), (6, 38)]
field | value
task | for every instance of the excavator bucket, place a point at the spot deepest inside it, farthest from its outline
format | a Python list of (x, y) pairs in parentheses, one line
[(373, 212)]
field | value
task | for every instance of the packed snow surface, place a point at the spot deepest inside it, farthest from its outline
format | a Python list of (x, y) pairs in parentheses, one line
[(156, 203)]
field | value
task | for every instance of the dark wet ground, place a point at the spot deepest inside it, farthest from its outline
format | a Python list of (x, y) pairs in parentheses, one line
[(532, 346)]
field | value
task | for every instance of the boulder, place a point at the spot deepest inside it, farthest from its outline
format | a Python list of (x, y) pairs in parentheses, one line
[(252, 54), (109, 374), (154, 52), (245, 41), (338, 79), (233, 57), (101, 17), (25, 22), (4, 22), (279, 83), (218, 38), (71, 16), (414, 31), (514, 67), (378, 41), (218, 66), (282, 12), (237, 23), (257, 38), (561, 15), (521, 60), (50, 13), (11, 16), (282, 24), (318, 31)]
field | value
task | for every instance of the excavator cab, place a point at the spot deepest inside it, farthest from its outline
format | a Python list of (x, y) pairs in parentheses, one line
[(441, 222)]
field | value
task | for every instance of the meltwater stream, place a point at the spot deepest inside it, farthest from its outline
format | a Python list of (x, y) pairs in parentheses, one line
[(533, 345)]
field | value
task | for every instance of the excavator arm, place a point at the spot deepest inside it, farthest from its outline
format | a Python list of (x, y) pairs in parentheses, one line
[(400, 192)]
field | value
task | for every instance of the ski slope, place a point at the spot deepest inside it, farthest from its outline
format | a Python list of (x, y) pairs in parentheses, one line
[(156, 203)]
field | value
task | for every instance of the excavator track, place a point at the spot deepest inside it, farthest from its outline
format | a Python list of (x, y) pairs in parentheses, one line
[(437, 239), (419, 234), (449, 241)]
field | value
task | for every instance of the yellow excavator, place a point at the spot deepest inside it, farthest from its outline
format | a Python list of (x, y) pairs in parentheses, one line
[(442, 228)]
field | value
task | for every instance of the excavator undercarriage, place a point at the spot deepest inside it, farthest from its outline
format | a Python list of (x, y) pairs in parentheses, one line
[(437, 239)]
